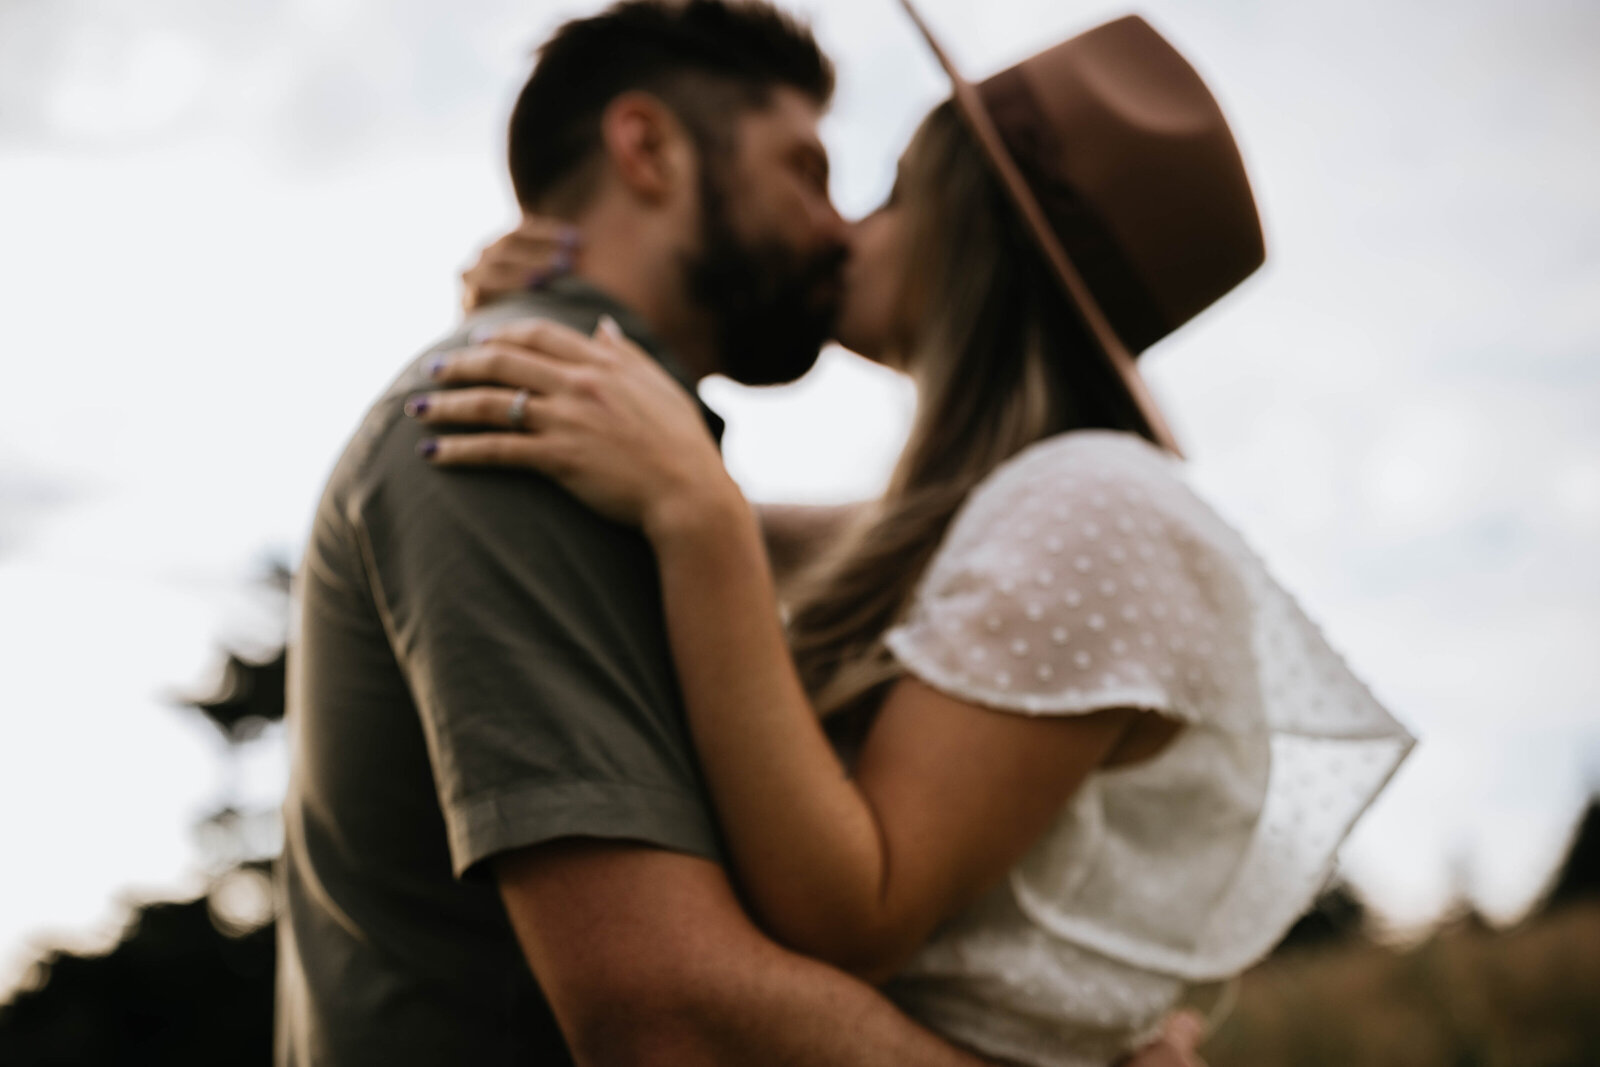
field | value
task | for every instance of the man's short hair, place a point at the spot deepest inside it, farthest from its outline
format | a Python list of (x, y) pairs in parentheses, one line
[(706, 59)]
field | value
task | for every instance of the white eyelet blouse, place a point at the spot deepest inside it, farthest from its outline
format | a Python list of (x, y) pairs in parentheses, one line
[(1084, 575)]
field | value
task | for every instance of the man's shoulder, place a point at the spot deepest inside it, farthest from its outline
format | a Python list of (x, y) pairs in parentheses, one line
[(381, 454), (366, 460)]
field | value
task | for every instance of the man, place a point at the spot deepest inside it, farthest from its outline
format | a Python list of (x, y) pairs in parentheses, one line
[(497, 845)]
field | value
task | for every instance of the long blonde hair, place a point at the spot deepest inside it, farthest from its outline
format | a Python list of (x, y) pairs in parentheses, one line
[(1000, 361)]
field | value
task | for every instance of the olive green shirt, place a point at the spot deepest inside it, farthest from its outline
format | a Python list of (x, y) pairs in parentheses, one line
[(481, 665)]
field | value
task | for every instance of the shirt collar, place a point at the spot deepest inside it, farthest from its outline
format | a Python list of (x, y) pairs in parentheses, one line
[(581, 300)]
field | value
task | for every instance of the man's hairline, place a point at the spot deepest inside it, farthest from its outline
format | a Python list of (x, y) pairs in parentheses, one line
[(556, 201)]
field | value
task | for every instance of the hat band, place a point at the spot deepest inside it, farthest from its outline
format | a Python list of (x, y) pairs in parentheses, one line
[(1121, 294)]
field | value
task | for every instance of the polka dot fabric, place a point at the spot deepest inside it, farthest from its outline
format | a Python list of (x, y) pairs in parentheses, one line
[(1066, 585), (1085, 575)]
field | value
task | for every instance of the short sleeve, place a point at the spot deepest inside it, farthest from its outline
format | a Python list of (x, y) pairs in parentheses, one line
[(1084, 574), (1069, 584), (530, 634)]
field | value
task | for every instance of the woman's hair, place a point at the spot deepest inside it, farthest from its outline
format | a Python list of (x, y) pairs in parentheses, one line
[(1000, 361)]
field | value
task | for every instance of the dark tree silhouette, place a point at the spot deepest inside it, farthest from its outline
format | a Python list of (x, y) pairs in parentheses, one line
[(190, 982), (251, 693), (176, 991), (1338, 917), (251, 696), (1579, 877)]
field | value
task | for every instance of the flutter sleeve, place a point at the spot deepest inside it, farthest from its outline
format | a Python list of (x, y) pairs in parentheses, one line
[(1084, 575), (1068, 584)]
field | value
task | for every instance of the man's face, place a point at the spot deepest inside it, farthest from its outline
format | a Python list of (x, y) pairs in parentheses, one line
[(773, 247)]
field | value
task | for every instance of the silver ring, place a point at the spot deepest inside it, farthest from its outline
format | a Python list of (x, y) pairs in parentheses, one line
[(519, 408)]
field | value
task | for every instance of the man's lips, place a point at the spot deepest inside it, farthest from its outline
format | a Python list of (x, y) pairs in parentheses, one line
[(829, 287)]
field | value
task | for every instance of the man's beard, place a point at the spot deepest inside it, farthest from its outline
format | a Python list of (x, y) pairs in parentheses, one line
[(773, 307)]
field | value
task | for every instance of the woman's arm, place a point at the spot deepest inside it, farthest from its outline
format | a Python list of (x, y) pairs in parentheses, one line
[(947, 795)]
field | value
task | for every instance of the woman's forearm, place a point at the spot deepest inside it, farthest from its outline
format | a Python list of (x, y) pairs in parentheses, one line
[(806, 843)]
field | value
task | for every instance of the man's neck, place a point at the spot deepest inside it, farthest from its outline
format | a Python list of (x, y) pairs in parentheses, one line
[(641, 275)]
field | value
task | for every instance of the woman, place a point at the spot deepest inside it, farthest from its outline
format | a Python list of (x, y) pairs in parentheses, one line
[(1101, 761)]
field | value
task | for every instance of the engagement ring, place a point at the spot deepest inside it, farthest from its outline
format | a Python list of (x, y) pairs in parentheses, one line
[(519, 407)]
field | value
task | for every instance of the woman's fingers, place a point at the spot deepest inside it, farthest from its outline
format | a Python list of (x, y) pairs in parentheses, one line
[(548, 337), (502, 364), (608, 334), (544, 231), (538, 250), (510, 265), (488, 450), (502, 276), (558, 341), (493, 406), (1186, 1029)]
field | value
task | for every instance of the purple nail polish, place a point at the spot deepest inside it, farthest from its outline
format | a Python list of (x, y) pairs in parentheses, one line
[(428, 448), (417, 405), (435, 366)]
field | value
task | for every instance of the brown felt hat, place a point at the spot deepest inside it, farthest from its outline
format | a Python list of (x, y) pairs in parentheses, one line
[(1121, 164)]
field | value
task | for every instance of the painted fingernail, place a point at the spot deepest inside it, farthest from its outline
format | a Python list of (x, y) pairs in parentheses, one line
[(479, 334), (435, 366), (428, 447), (417, 405)]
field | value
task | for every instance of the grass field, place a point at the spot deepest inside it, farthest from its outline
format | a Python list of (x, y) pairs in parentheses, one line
[(1467, 997)]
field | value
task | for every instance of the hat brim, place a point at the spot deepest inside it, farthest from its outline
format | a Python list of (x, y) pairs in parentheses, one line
[(1119, 360)]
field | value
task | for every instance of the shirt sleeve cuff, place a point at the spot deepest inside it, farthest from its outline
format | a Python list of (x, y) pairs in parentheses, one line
[(486, 826)]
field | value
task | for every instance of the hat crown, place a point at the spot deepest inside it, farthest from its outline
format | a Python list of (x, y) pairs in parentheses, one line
[(1117, 123), (1122, 65)]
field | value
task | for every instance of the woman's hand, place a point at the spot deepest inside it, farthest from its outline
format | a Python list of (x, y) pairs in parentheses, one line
[(596, 414), (528, 257)]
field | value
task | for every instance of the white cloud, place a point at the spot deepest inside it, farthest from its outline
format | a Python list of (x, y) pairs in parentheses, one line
[(25, 498)]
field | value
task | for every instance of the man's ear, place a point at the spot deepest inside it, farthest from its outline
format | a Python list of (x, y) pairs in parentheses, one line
[(647, 145)]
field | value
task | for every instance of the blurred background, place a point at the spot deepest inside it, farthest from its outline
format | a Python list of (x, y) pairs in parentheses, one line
[(223, 228)]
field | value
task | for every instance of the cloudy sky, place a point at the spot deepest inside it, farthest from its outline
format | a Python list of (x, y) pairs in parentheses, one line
[(224, 226)]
